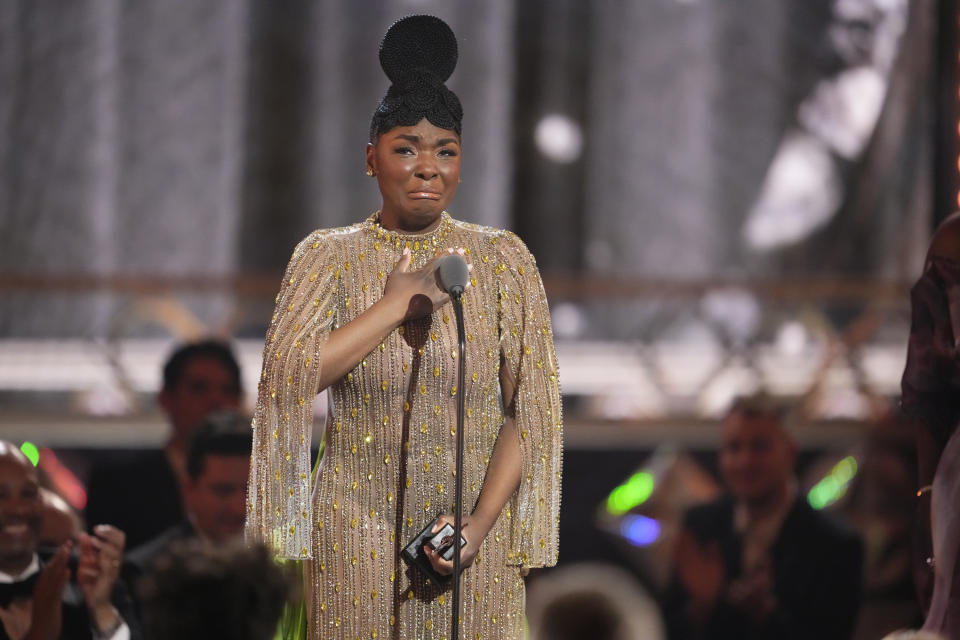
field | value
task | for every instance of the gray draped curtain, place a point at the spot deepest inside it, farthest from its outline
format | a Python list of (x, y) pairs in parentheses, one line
[(191, 137)]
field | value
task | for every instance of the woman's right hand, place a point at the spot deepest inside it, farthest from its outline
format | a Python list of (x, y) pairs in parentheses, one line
[(417, 292), (407, 295)]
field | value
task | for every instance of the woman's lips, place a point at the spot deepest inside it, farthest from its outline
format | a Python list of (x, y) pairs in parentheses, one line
[(424, 195)]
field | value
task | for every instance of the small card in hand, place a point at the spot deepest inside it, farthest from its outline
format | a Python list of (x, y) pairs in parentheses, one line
[(441, 542)]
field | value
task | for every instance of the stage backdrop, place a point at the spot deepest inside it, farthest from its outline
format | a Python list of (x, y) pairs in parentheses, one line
[(669, 139)]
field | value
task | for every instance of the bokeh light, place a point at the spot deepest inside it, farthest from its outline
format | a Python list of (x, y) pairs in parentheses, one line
[(834, 485), (32, 452), (631, 493), (640, 531)]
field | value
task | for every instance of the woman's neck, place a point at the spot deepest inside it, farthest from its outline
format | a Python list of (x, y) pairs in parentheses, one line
[(400, 224)]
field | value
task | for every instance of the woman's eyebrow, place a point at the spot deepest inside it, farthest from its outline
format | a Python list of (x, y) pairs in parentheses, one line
[(410, 137)]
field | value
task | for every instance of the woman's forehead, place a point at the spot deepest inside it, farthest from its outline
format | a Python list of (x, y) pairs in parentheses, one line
[(424, 131)]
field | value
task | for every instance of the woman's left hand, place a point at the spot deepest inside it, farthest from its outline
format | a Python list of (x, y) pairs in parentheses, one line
[(468, 552)]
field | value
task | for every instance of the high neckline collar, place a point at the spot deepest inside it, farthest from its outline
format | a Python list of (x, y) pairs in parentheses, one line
[(415, 241), (444, 220)]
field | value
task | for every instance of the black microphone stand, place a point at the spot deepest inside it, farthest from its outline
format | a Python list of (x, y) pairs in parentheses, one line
[(455, 295)]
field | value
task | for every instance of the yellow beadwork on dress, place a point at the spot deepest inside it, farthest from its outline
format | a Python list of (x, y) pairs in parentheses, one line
[(388, 465)]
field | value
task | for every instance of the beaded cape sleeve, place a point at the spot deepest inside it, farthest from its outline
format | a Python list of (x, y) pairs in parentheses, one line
[(527, 349), (278, 493)]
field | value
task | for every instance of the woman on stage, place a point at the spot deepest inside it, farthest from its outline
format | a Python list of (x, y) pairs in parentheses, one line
[(360, 314)]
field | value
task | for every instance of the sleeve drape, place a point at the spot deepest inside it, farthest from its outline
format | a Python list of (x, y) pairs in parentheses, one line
[(278, 493), (526, 341)]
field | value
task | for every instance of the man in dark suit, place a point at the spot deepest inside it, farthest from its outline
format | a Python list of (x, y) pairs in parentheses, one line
[(214, 492), (759, 562), (141, 494), (38, 600)]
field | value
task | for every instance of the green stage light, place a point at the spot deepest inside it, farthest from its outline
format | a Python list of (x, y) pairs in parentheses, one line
[(631, 493), (30, 450), (834, 485)]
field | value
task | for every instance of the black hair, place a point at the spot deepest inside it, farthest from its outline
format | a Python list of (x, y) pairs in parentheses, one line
[(186, 353), (418, 54), (225, 433), (197, 590), (759, 406)]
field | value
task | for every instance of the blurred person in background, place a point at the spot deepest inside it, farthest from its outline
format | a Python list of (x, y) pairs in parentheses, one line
[(943, 617), (141, 494), (39, 599), (198, 591), (759, 562), (591, 601), (880, 504), (930, 388), (214, 491), (59, 521)]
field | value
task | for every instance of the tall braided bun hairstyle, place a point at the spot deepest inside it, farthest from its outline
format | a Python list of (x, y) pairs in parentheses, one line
[(418, 54)]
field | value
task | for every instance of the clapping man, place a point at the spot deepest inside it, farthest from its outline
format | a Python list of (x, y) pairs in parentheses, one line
[(39, 599)]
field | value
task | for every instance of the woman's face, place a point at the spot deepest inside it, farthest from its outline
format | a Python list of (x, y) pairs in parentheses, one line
[(417, 170)]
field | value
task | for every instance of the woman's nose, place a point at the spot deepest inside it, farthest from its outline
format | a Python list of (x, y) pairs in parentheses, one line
[(426, 169)]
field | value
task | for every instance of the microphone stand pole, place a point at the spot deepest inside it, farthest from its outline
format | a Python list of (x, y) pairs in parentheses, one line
[(458, 490)]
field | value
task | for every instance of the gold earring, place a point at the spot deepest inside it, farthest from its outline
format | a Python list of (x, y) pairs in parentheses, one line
[(369, 173)]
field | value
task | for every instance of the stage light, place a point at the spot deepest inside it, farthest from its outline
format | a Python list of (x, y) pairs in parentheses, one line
[(631, 493), (834, 485), (30, 450), (640, 531), (559, 138), (791, 338)]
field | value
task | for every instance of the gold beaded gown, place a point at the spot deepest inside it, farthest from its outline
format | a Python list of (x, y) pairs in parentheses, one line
[(388, 462)]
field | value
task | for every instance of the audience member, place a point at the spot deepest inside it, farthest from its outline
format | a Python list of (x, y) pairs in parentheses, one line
[(931, 377), (591, 602), (758, 562), (944, 614), (880, 503), (214, 491), (58, 522), (38, 599), (141, 495), (198, 591)]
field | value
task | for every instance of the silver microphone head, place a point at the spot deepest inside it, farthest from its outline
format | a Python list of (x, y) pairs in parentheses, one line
[(453, 274)]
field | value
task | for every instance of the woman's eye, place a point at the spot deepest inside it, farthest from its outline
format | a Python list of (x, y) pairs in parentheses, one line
[(404, 150)]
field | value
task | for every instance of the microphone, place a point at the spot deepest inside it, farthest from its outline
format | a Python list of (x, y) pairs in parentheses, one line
[(453, 274)]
